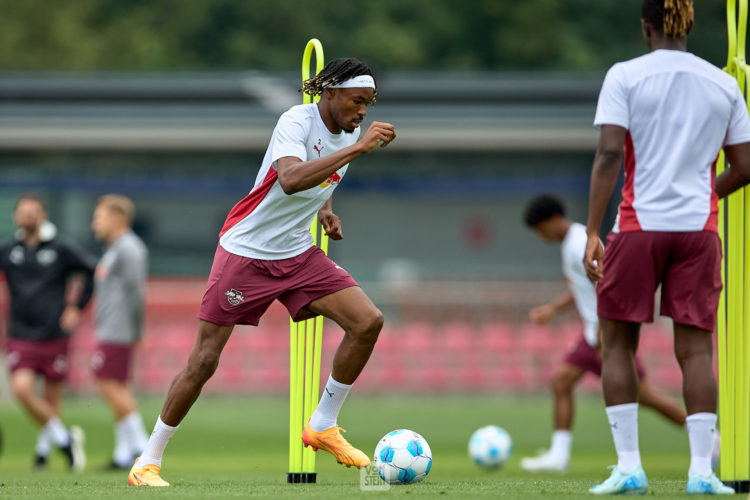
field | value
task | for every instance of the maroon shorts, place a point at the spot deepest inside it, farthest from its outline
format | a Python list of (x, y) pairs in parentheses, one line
[(112, 361), (585, 357), (686, 265), (48, 358), (240, 289)]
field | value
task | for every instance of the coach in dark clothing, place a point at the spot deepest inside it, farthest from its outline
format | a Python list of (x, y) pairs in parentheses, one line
[(37, 267)]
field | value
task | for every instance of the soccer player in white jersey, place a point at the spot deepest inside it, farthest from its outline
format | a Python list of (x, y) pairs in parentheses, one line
[(265, 252), (545, 214), (667, 113)]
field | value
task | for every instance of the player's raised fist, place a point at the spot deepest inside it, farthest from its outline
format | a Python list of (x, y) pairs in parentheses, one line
[(379, 133)]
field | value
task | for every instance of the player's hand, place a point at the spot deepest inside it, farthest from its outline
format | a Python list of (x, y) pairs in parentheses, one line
[(331, 224), (592, 259), (542, 315), (379, 133), (69, 318)]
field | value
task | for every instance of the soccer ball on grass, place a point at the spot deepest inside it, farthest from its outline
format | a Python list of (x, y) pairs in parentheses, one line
[(490, 446), (403, 457)]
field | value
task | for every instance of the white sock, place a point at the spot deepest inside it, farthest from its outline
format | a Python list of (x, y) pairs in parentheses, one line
[(561, 443), (156, 444), (121, 455), (326, 414), (623, 420), (57, 432), (43, 442), (701, 429), (136, 432)]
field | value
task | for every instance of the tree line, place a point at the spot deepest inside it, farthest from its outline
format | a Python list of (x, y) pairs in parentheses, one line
[(389, 34)]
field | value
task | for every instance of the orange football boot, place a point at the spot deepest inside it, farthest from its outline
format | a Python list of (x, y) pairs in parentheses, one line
[(148, 475), (333, 442)]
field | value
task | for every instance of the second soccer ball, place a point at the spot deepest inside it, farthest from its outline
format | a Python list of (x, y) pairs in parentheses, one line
[(490, 446)]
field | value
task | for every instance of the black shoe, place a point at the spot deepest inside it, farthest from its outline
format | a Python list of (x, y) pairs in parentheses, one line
[(40, 463), (74, 450)]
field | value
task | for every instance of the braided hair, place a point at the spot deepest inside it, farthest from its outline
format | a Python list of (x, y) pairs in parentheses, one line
[(670, 17), (336, 71)]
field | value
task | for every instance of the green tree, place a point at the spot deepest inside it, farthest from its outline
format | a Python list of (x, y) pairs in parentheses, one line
[(393, 34)]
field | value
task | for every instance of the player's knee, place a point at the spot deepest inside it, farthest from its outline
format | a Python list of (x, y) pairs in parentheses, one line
[(685, 351), (21, 389), (561, 384), (204, 364), (369, 326)]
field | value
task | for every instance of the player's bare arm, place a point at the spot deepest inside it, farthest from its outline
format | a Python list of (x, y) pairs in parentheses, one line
[(296, 175), (330, 221), (606, 169), (738, 174), (544, 313)]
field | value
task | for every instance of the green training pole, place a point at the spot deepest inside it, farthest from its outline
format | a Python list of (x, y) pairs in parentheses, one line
[(733, 324), (304, 339)]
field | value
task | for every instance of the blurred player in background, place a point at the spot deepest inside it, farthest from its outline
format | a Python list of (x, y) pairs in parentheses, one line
[(38, 267), (119, 286), (668, 113), (545, 214), (265, 253)]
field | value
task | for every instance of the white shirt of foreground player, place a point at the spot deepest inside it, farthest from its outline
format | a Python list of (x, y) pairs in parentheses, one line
[(268, 224), (573, 247), (679, 110)]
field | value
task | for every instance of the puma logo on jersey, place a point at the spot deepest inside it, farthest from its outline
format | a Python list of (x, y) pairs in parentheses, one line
[(318, 148)]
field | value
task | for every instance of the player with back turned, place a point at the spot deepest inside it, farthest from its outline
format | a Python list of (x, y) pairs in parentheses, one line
[(545, 214), (265, 252), (667, 114)]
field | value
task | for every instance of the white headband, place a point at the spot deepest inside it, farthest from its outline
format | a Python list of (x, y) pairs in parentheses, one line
[(361, 81)]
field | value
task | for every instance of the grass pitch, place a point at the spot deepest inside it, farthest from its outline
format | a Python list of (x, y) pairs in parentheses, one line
[(237, 447)]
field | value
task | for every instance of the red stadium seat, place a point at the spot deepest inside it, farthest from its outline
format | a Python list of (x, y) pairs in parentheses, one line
[(497, 338), (457, 337)]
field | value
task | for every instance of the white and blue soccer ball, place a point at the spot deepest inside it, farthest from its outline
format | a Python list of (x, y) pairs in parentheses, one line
[(403, 457), (490, 446)]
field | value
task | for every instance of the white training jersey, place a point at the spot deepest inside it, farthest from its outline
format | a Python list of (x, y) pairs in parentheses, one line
[(573, 248), (269, 224), (679, 111)]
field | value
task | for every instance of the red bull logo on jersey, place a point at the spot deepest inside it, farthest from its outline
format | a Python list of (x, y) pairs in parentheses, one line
[(333, 180), (234, 296)]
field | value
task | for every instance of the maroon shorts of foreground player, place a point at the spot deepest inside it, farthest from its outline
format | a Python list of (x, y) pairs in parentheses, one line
[(112, 361), (585, 357), (48, 358), (240, 289), (686, 265)]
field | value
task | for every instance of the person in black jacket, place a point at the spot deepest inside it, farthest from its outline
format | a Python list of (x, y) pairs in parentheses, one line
[(38, 266)]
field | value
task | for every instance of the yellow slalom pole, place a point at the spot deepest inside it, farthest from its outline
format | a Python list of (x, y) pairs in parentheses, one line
[(315, 46), (293, 390), (733, 323), (731, 30), (721, 332), (310, 394), (741, 31), (304, 336)]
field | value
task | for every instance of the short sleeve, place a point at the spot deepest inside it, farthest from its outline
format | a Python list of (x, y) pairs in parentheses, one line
[(612, 108), (290, 136), (132, 263), (738, 130)]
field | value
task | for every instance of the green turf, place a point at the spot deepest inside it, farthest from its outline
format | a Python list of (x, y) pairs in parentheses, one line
[(231, 447)]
